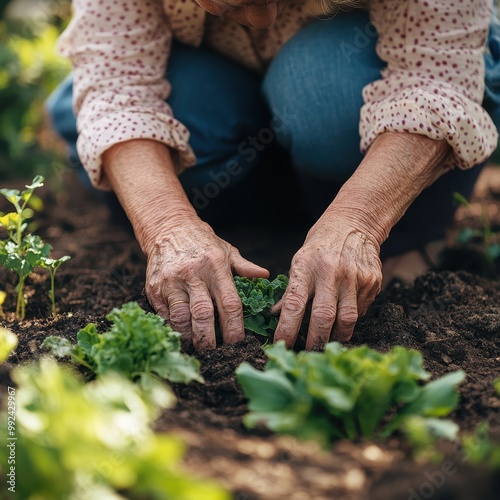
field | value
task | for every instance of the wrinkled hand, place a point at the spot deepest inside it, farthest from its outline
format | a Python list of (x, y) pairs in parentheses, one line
[(339, 268), (189, 269)]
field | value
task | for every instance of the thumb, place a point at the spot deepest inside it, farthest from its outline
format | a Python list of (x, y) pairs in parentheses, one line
[(243, 267)]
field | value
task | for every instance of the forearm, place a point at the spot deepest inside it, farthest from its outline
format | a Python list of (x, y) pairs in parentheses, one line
[(143, 177), (395, 170)]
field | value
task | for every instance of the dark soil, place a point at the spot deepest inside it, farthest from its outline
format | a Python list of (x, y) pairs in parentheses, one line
[(451, 314)]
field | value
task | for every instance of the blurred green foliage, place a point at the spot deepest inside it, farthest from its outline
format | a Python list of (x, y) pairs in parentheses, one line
[(30, 69)]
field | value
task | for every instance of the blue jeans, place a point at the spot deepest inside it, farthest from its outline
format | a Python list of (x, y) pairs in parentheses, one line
[(309, 103)]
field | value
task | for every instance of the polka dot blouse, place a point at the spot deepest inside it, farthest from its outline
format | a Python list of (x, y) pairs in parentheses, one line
[(433, 83)]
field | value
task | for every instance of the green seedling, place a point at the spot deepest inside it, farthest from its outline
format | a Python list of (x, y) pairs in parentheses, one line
[(258, 296), (138, 345), (18, 253), (52, 265), (486, 235), (347, 393), (22, 252), (481, 447)]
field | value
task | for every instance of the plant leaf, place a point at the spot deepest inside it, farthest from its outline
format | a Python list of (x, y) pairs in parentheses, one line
[(58, 346), (438, 398), (138, 344), (177, 367), (277, 395)]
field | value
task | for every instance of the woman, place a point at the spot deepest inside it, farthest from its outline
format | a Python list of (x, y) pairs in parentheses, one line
[(408, 76)]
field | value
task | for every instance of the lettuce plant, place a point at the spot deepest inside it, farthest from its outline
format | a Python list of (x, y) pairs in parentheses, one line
[(93, 441), (138, 345), (345, 393), (258, 296), (22, 252)]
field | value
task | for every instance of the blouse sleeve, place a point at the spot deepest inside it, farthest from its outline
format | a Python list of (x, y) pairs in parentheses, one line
[(119, 50), (434, 81)]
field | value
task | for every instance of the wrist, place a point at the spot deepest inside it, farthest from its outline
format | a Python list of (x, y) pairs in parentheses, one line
[(355, 218), (154, 228), (396, 169), (143, 177)]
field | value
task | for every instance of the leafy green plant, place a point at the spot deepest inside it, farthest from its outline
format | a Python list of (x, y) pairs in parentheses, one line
[(8, 342), (92, 441), (258, 296), (345, 393), (138, 345), (422, 433), (489, 239), (22, 252), (481, 447)]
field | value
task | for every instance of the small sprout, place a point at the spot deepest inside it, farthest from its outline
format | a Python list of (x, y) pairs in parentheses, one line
[(22, 252), (460, 199), (53, 265), (486, 235)]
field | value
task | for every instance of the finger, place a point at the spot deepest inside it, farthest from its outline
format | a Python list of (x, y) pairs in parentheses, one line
[(366, 296), (323, 314), (160, 306), (347, 312), (202, 317), (370, 284), (293, 307), (179, 312), (277, 307), (154, 293), (230, 309), (244, 267)]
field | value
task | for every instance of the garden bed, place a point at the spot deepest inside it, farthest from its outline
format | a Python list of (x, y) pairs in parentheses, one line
[(452, 315)]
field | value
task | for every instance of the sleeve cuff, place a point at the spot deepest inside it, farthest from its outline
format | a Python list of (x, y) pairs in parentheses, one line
[(114, 128), (467, 128)]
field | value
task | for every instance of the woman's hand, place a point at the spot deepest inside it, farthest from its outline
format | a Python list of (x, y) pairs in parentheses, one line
[(189, 269), (338, 265), (339, 268)]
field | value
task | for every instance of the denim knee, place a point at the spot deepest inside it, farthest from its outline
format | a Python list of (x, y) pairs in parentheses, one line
[(318, 77), (223, 111), (224, 115), (59, 105)]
